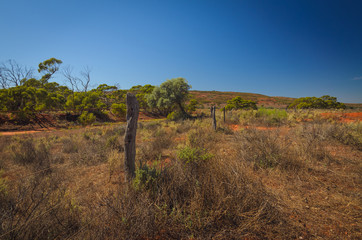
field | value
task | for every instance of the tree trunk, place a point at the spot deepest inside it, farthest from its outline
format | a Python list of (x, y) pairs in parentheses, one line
[(130, 136), (184, 113)]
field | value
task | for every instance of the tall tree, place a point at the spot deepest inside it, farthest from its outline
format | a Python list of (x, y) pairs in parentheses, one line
[(170, 95), (49, 68)]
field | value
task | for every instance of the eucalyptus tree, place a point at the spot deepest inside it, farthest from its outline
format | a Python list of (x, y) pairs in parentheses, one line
[(170, 95)]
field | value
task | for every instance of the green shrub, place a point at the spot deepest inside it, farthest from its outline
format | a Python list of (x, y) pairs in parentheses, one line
[(272, 116), (146, 178), (239, 103), (119, 109), (324, 102), (189, 155), (191, 107), (86, 118), (175, 115)]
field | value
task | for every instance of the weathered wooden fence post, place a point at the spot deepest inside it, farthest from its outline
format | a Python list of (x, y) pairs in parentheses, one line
[(130, 136), (224, 114), (214, 118), (211, 110)]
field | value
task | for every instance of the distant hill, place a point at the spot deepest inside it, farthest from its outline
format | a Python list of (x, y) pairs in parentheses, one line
[(208, 98)]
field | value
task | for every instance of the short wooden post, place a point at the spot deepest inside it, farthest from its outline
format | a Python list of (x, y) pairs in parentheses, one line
[(211, 110), (130, 136), (214, 118), (224, 114)]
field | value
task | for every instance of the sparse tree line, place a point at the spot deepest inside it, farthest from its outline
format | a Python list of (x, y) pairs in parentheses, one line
[(324, 102), (24, 95)]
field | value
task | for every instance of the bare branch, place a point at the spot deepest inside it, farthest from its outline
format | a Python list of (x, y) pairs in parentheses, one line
[(85, 80), (73, 81), (3, 81), (11, 74)]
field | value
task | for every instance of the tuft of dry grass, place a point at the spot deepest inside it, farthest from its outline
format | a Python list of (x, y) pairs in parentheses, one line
[(268, 149)]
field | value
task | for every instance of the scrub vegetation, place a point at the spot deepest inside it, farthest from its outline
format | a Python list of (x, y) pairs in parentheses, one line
[(263, 174)]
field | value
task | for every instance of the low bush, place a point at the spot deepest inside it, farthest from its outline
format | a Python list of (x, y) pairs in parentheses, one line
[(267, 149), (200, 137), (152, 148), (184, 126), (114, 142), (119, 109), (26, 152), (271, 117), (86, 118), (348, 134), (69, 145), (146, 178), (189, 155), (175, 116), (311, 140)]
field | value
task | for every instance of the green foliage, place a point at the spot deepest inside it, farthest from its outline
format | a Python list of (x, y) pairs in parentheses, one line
[(51, 65), (175, 115), (239, 103), (324, 102), (190, 155), (191, 107), (119, 109), (86, 118), (48, 67), (35, 95), (272, 116), (146, 178), (31, 95), (169, 95), (141, 93), (89, 101)]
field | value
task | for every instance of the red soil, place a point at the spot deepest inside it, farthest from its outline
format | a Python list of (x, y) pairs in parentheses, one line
[(344, 117), (17, 133), (234, 127)]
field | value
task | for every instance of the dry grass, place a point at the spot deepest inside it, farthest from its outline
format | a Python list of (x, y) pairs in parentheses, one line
[(294, 180)]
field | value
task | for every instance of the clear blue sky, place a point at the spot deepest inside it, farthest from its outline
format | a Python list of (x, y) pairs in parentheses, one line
[(279, 48)]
